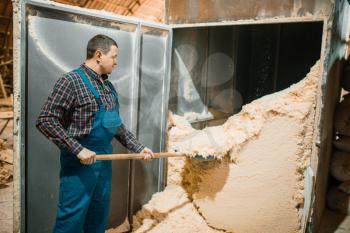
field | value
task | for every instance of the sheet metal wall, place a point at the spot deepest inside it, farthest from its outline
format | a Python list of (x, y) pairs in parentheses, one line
[(203, 11), (189, 70), (152, 112), (56, 43), (203, 63)]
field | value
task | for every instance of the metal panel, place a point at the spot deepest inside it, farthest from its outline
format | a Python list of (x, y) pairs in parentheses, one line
[(202, 77), (56, 44), (264, 61), (153, 95), (202, 11), (189, 71), (220, 84)]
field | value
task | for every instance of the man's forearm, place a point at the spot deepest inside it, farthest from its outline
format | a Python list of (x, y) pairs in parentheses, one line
[(128, 139)]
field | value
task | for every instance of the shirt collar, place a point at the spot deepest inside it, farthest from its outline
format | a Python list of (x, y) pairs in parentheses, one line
[(93, 73), (90, 72)]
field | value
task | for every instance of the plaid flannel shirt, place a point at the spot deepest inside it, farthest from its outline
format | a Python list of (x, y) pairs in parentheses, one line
[(68, 113)]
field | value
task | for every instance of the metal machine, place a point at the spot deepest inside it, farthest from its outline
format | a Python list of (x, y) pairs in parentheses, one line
[(203, 64)]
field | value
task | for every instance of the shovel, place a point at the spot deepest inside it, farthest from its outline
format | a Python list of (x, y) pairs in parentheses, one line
[(156, 156)]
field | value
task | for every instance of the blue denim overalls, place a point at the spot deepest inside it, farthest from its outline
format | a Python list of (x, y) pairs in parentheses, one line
[(84, 195)]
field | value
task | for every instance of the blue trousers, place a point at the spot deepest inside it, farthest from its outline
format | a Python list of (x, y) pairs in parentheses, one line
[(84, 199)]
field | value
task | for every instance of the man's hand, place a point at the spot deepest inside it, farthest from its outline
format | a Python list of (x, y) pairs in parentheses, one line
[(148, 153), (87, 156)]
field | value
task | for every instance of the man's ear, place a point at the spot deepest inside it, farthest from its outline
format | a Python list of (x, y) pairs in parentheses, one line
[(98, 54)]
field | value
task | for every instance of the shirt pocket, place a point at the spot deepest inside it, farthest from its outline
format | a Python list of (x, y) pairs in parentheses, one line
[(85, 109), (83, 114), (83, 100), (86, 103)]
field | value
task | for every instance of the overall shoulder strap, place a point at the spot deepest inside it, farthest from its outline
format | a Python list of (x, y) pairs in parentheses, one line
[(89, 85), (114, 91), (115, 94)]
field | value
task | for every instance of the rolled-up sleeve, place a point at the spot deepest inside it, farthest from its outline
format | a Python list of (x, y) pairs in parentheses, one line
[(128, 139), (49, 121)]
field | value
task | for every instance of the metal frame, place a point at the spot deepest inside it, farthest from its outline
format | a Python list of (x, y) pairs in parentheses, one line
[(22, 85), (165, 94), (23, 116), (93, 13), (130, 203), (309, 173), (253, 22)]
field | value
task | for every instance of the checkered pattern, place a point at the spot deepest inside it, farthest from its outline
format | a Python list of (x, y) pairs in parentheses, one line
[(69, 112)]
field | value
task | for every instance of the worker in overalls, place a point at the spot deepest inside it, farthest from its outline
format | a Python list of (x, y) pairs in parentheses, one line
[(81, 116)]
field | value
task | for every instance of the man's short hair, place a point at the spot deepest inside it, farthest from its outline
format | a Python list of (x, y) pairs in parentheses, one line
[(101, 42)]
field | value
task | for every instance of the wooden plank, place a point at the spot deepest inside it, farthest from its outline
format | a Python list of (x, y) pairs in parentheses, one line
[(6, 63), (6, 115), (7, 102), (2, 87), (5, 18)]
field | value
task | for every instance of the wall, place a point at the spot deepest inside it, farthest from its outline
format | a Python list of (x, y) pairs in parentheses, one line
[(199, 11)]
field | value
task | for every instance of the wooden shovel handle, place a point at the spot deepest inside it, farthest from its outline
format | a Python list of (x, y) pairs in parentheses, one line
[(137, 156)]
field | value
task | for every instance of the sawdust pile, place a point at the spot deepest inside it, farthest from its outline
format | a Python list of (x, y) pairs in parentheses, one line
[(257, 178), (6, 141), (6, 167)]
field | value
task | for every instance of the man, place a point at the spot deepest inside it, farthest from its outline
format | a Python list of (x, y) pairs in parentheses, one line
[(81, 116)]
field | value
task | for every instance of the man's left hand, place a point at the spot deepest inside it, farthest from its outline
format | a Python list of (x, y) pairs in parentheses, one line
[(148, 154)]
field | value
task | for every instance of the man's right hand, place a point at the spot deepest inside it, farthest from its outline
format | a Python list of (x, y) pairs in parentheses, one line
[(87, 156)]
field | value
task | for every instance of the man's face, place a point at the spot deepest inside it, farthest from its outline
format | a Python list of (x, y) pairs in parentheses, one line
[(109, 60)]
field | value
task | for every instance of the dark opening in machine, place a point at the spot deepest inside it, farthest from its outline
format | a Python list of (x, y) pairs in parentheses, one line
[(218, 69)]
